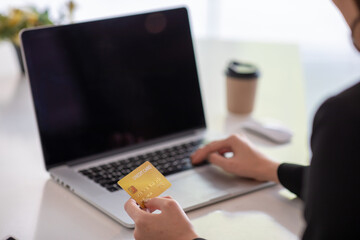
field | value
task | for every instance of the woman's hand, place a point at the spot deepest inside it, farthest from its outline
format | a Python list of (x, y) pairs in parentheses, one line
[(245, 162), (171, 223)]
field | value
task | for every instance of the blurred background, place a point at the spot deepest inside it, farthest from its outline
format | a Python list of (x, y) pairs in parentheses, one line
[(315, 26), (330, 63)]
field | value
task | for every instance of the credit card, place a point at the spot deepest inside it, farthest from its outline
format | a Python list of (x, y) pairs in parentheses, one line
[(144, 182)]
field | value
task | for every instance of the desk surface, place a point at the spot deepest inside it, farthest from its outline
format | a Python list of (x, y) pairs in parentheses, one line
[(32, 206)]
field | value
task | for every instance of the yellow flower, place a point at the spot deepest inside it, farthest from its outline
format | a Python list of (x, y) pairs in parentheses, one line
[(32, 18), (15, 17), (16, 40), (71, 6)]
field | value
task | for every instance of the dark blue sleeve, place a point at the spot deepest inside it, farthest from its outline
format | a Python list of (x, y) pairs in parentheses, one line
[(291, 177)]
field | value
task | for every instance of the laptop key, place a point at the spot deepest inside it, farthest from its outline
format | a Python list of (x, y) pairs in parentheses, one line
[(167, 161)]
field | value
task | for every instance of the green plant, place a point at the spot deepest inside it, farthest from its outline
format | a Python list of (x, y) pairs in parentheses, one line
[(20, 18)]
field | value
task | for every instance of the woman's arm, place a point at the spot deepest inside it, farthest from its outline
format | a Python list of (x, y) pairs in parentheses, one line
[(292, 176)]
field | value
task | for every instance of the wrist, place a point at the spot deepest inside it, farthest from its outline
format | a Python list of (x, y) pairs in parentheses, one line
[(190, 235), (268, 171), (194, 236)]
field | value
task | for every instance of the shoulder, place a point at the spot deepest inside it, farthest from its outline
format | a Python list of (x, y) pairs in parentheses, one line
[(337, 120), (342, 108)]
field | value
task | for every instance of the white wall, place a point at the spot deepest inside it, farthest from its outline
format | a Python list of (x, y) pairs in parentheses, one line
[(303, 21), (316, 25)]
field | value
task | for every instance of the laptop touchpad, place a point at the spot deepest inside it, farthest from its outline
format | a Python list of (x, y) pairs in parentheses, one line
[(206, 183)]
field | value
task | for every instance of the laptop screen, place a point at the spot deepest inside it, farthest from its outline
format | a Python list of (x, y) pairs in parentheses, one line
[(105, 85)]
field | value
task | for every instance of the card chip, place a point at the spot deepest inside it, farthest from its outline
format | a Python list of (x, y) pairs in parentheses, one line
[(132, 189)]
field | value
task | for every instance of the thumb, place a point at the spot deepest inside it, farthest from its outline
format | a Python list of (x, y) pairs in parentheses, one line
[(133, 209)]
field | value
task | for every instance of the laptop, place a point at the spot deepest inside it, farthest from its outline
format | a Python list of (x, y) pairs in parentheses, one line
[(111, 94)]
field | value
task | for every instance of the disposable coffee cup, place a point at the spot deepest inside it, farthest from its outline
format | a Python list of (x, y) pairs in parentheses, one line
[(241, 82)]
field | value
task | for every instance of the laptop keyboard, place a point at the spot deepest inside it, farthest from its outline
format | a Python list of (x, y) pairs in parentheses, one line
[(167, 161)]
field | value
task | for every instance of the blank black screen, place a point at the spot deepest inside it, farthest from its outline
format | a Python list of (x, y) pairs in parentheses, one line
[(104, 85)]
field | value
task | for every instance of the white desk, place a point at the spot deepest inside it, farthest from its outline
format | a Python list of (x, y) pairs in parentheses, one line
[(34, 207)]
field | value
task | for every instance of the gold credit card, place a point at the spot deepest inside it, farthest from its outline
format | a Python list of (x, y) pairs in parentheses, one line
[(144, 182)]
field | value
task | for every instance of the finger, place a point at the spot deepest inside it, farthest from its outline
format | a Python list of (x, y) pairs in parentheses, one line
[(159, 203), (151, 209), (168, 197), (132, 209), (221, 161), (224, 150), (214, 146)]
